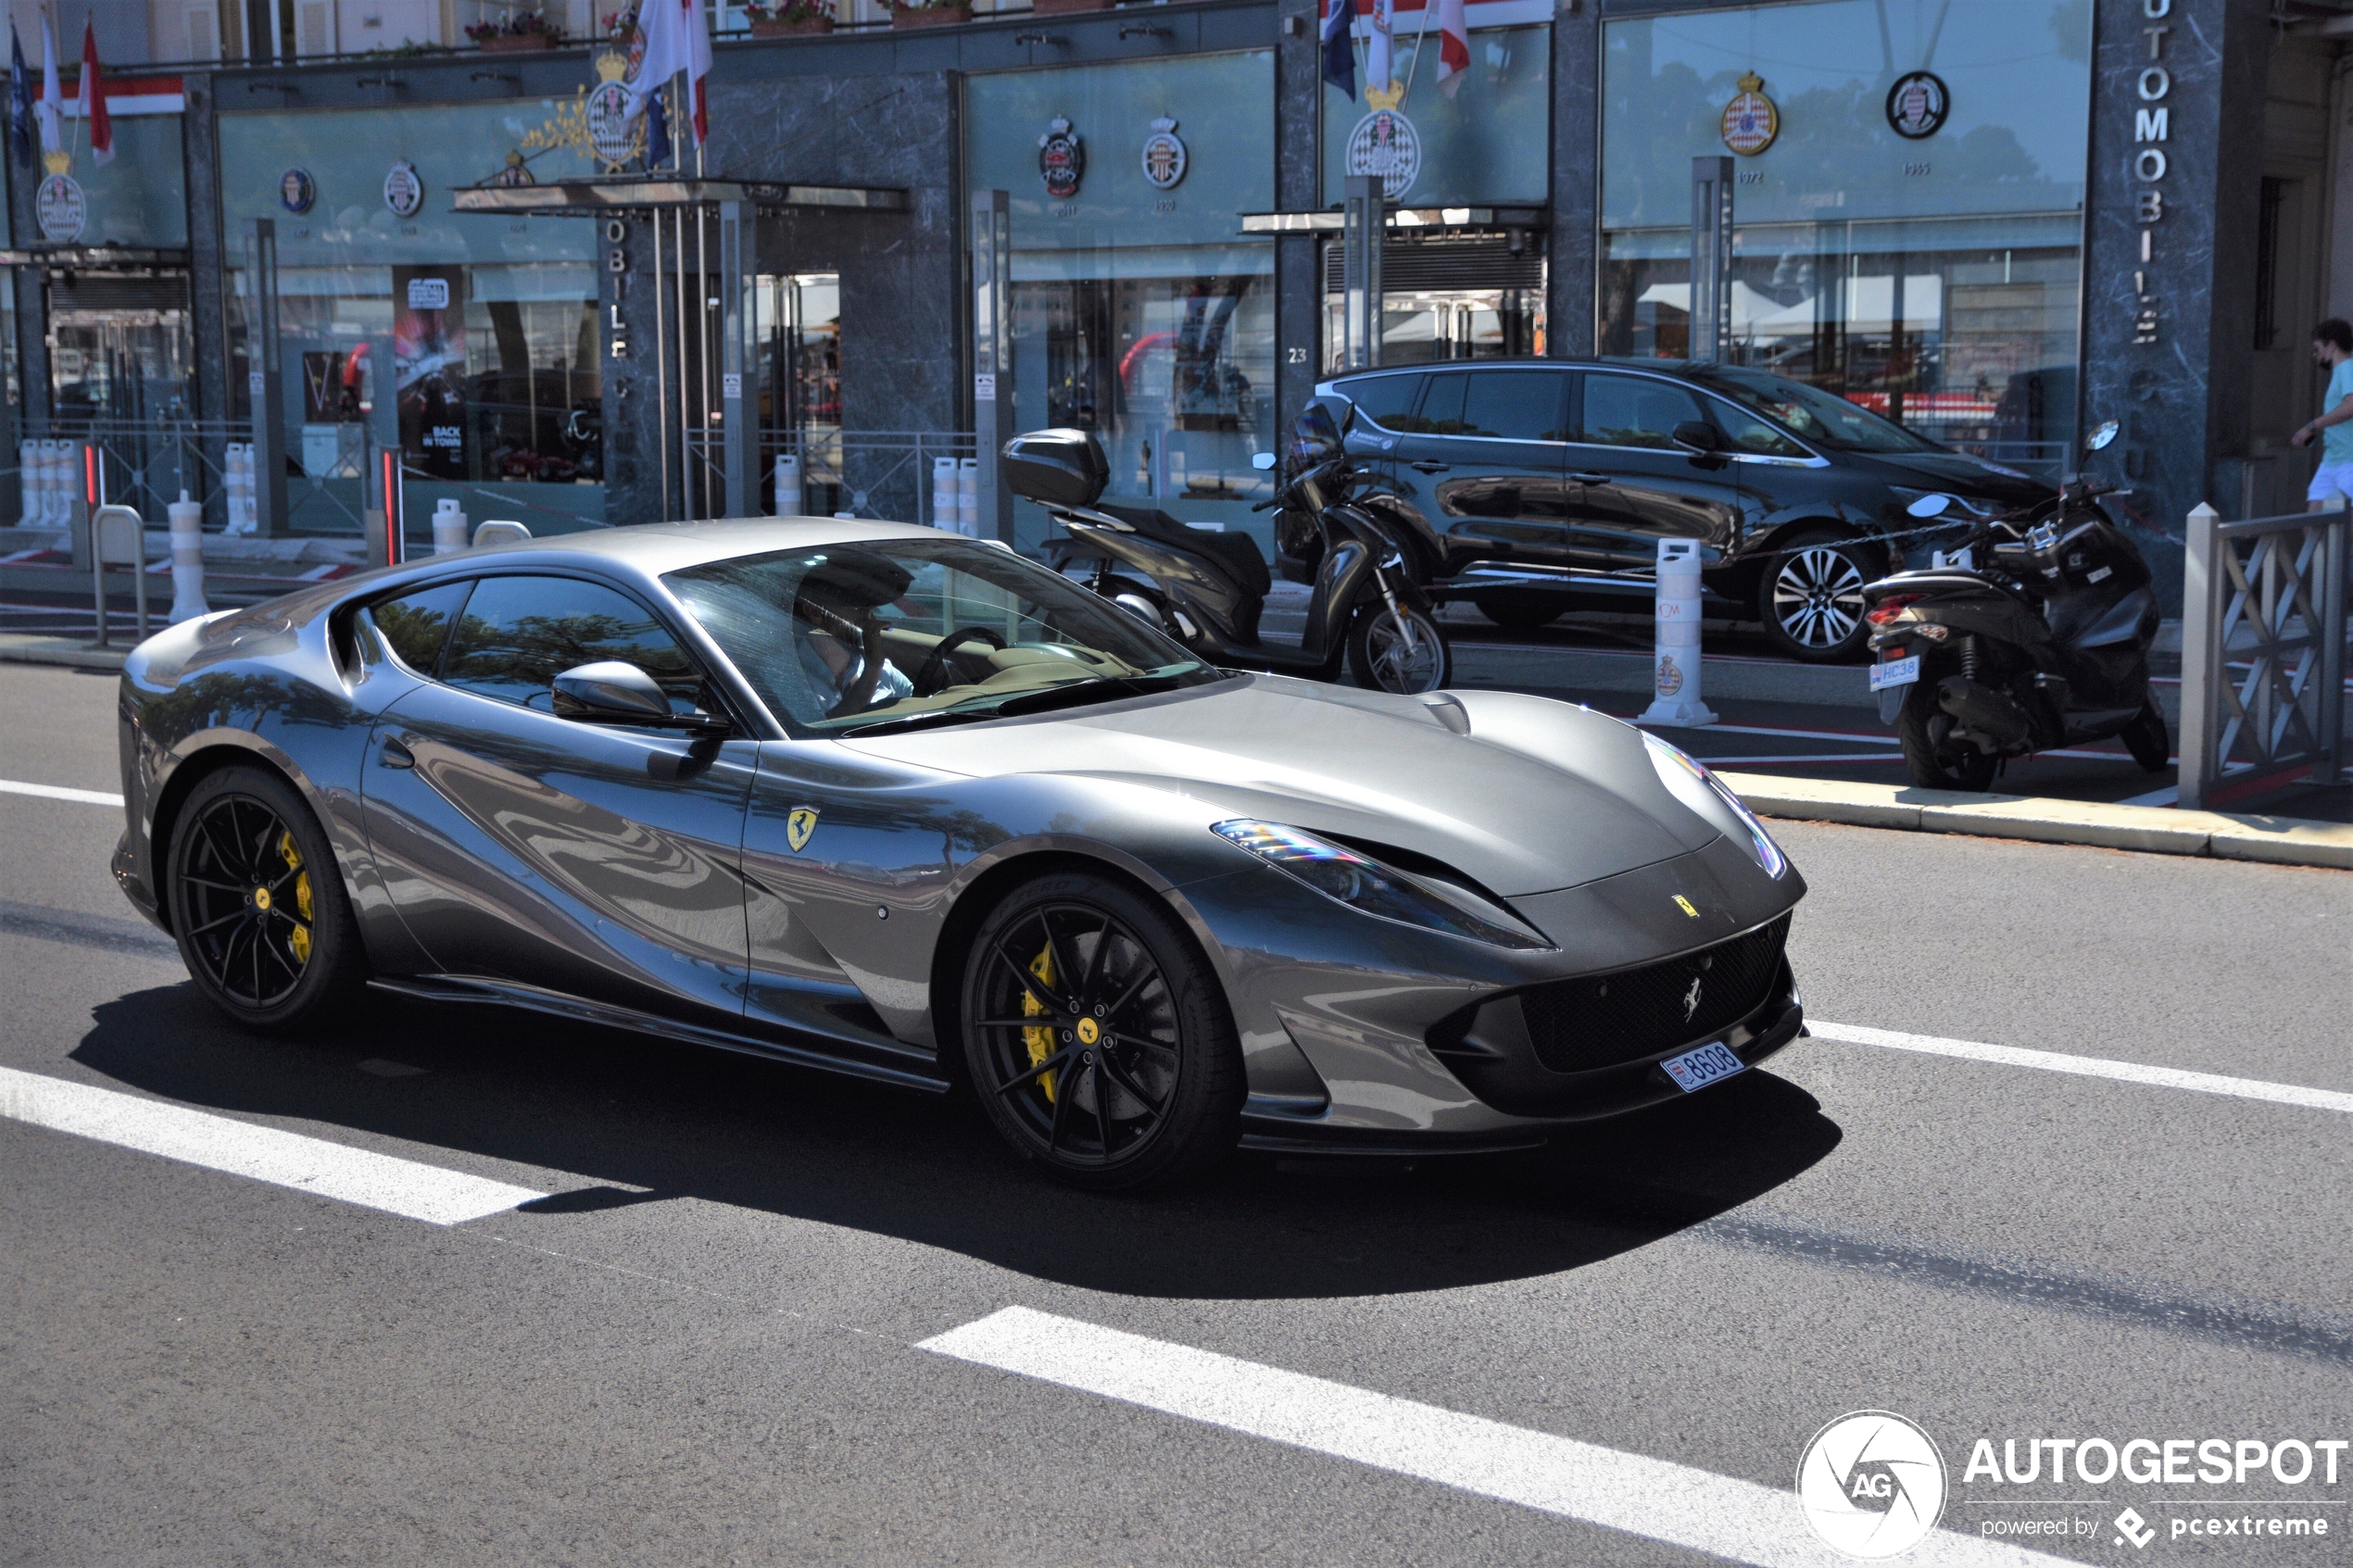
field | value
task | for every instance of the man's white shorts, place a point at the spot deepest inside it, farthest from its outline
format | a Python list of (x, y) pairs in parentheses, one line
[(2333, 484)]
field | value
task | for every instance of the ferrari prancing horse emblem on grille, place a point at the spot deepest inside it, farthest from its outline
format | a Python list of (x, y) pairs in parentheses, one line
[(798, 826), (1691, 999)]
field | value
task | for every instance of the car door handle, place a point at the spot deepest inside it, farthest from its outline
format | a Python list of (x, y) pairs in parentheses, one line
[(1426, 466), (396, 755), (1588, 478)]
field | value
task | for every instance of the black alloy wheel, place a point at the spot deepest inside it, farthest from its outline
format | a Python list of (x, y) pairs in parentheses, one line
[(1935, 758), (1517, 614), (2146, 739), (1403, 650), (1097, 1038), (257, 904), (1811, 596)]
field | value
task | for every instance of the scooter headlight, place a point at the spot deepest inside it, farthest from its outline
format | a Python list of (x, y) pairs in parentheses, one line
[(1690, 782)]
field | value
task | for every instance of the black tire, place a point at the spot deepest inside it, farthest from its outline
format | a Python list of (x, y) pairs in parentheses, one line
[(1156, 1095), (2146, 738), (1518, 615), (1810, 596), (1935, 761), (1378, 655), (258, 905)]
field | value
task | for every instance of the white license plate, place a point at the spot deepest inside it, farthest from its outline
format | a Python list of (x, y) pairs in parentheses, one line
[(1895, 672), (1696, 1070)]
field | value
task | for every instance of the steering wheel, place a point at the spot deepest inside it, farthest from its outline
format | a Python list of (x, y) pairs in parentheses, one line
[(935, 672)]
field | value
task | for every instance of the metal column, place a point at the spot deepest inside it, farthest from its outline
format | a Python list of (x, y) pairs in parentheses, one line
[(738, 381), (267, 379), (1363, 225), (992, 265), (1711, 257)]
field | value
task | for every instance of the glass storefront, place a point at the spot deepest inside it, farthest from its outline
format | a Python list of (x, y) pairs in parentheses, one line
[(1138, 311), (122, 343), (1935, 277), (490, 320)]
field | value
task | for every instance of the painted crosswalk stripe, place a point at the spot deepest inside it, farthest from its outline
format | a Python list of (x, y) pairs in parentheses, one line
[(265, 1154), (57, 792), (2089, 1066), (1741, 1520)]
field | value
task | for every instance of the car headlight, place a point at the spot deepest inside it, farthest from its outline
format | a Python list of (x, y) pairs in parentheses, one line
[(1366, 885), (1690, 782)]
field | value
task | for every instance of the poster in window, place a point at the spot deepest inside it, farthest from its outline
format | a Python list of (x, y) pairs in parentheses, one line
[(429, 358)]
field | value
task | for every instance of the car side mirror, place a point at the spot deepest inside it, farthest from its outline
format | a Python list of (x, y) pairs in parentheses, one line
[(611, 692), (1697, 435)]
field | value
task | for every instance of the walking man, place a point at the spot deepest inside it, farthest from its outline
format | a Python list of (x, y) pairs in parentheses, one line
[(2332, 486)]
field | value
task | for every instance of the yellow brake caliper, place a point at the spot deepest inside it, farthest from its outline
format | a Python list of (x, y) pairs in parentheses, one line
[(1040, 1040), (300, 940)]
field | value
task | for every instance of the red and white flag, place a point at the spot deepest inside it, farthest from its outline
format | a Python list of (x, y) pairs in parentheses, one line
[(1453, 46), (678, 38), (94, 100)]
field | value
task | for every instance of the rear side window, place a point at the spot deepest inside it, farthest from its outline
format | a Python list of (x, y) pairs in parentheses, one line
[(1635, 411), (1515, 405), (1441, 411), (1385, 400), (416, 625), (518, 634)]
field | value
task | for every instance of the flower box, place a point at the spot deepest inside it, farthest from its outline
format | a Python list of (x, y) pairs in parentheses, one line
[(904, 16), (517, 43), (777, 26), (1065, 7)]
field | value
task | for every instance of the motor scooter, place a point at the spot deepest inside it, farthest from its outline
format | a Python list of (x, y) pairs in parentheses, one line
[(1208, 589), (2035, 634)]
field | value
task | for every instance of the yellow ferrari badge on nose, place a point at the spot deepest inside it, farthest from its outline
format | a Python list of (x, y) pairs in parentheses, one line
[(798, 826), (1680, 902)]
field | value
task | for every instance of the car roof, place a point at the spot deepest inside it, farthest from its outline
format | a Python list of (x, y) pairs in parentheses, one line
[(1527, 362), (658, 547)]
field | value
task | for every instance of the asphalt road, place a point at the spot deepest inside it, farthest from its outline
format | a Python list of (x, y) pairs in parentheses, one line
[(703, 1349)]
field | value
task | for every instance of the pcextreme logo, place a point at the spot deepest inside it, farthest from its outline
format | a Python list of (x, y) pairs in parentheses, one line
[(1872, 1484)]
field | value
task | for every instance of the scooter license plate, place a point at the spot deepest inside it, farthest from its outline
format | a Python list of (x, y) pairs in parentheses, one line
[(1895, 672)]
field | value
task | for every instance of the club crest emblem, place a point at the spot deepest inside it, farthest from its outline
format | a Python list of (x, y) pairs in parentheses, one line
[(296, 190), (1061, 159), (60, 207), (798, 825), (1750, 122), (1386, 143), (1917, 106), (404, 190), (612, 135), (1163, 155)]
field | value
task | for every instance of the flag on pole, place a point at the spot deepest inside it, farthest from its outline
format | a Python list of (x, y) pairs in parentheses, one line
[(1339, 49), (1380, 65), (93, 99), (19, 98), (657, 129), (678, 38), (51, 108), (1453, 46)]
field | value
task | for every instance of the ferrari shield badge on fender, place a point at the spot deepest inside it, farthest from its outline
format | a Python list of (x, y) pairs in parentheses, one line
[(798, 826), (1680, 902)]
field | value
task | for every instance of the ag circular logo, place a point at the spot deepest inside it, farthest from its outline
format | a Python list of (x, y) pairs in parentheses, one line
[(296, 190), (1872, 1484), (1386, 143), (1917, 106), (404, 192), (59, 206)]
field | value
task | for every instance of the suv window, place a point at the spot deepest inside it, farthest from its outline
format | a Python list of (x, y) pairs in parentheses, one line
[(1441, 412), (415, 625), (1385, 400), (1515, 405), (518, 634), (1635, 411)]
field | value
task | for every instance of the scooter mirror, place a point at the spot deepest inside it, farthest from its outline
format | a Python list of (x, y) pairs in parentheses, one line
[(1262, 461), (2099, 438), (1929, 505)]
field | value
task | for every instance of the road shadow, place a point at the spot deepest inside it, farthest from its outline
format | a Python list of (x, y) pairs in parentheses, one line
[(626, 1112)]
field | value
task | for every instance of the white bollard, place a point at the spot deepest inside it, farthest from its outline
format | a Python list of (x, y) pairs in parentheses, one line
[(1675, 674), (30, 494), (968, 497), (60, 487), (237, 462), (789, 501), (187, 559), (448, 527)]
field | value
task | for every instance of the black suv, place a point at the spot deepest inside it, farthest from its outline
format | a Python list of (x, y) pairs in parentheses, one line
[(1537, 486)]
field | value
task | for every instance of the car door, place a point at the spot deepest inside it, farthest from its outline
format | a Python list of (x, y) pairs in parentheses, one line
[(1629, 486), (1483, 460), (596, 861)]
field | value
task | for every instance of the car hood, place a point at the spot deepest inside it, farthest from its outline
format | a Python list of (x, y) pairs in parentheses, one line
[(1952, 470), (1536, 795)]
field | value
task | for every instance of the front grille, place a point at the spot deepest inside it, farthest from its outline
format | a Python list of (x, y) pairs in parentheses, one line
[(1603, 1019)]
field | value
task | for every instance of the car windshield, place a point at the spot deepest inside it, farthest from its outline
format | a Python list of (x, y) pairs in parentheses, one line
[(843, 637), (1823, 417)]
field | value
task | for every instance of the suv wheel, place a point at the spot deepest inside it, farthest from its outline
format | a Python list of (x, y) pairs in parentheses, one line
[(1811, 596)]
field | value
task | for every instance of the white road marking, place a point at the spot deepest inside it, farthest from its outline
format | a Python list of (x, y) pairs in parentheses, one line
[(56, 792), (2090, 1066), (265, 1154), (1664, 1501)]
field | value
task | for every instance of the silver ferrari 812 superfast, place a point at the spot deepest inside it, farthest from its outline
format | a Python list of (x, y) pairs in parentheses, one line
[(887, 801)]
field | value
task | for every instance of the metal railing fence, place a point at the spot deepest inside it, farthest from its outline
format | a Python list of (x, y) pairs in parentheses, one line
[(2264, 652), (886, 475)]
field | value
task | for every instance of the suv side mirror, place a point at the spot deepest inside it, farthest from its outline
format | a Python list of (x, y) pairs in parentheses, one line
[(1698, 435)]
